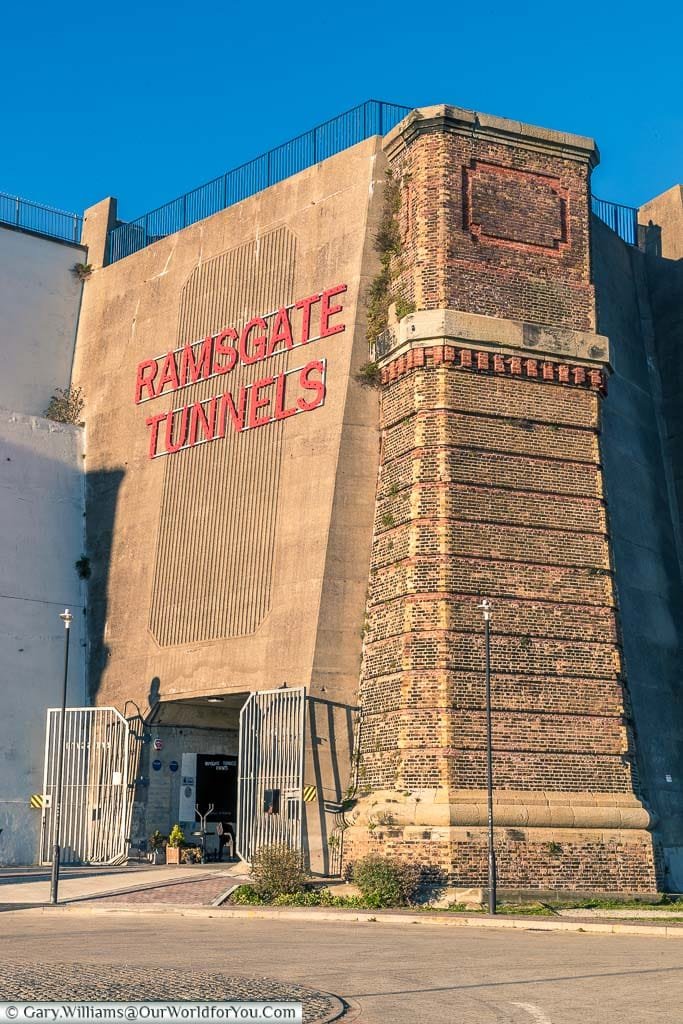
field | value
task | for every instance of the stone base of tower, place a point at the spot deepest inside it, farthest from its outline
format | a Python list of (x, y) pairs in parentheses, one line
[(607, 849)]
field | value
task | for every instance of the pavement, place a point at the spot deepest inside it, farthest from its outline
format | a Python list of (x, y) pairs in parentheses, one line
[(196, 884), (386, 973)]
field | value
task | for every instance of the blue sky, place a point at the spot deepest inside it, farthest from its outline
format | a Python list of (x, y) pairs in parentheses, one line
[(145, 101)]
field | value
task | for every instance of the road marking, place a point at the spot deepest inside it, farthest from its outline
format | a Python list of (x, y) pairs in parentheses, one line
[(534, 1011)]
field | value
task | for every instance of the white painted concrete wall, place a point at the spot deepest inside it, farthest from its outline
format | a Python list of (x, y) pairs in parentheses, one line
[(39, 303), (42, 535)]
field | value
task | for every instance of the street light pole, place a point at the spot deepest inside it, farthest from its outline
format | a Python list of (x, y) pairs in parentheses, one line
[(486, 609), (67, 619)]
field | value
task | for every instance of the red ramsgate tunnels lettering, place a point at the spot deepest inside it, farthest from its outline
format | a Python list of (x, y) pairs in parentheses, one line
[(264, 401), (260, 338)]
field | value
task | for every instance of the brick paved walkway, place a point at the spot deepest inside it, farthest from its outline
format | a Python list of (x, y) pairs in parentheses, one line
[(190, 894)]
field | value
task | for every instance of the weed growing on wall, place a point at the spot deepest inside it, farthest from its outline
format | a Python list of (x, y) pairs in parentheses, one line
[(82, 567), (369, 375), (388, 244), (66, 406)]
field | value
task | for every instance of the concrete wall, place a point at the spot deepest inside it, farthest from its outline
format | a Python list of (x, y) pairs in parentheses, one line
[(661, 224), (41, 511), (39, 299), (273, 524), (640, 497)]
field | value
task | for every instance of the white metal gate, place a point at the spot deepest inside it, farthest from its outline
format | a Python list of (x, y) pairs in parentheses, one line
[(100, 758), (271, 761)]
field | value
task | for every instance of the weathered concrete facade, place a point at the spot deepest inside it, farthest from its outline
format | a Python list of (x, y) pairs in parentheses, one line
[(239, 565)]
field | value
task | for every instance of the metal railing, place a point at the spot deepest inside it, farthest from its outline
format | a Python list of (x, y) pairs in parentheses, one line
[(622, 219), (370, 118), (43, 220)]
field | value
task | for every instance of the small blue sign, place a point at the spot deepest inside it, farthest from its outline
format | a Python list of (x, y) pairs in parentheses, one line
[(156, 765), (173, 766)]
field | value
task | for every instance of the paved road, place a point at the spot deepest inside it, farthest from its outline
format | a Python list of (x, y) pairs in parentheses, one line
[(423, 973)]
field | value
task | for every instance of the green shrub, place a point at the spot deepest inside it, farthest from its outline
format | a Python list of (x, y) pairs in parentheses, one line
[(384, 882), (277, 871), (247, 895), (176, 837)]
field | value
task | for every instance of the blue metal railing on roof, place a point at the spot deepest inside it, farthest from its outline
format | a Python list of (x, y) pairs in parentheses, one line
[(42, 220), (622, 219), (370, 118)]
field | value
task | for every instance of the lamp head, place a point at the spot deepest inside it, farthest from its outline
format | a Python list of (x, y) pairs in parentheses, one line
[(66, 617), (486, 609)]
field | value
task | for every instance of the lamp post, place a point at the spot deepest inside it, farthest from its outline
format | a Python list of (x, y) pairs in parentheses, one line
[(486, 609), (66, 618)]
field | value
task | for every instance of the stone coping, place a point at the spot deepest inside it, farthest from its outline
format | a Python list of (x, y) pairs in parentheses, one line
[(512, 337), (458, 120), (519, 809)]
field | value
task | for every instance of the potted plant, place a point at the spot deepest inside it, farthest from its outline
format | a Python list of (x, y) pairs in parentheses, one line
[(156, 848), (175, 841)]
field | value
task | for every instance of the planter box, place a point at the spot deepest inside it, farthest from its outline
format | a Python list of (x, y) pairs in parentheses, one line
[(173, 855)]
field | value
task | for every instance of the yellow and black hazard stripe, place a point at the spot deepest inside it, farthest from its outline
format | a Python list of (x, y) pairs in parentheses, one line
[(310, 793), (37, 801)]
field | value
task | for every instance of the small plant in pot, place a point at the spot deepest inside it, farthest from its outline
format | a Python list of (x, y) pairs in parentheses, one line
[(157, 843), (175, 841)]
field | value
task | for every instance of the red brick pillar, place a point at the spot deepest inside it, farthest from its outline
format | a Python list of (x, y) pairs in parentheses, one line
[(490, 486)]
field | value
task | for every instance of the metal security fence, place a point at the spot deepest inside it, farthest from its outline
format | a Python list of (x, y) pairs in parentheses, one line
[(100, 758), (271, 762), (43, 220), (373, 117), (622, 219)]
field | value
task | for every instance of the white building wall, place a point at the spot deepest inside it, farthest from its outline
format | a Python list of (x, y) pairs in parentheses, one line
[(42, 520), (39, 303), (41, 511)]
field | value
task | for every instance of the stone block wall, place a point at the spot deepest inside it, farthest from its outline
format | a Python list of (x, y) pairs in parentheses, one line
[(544, 859)]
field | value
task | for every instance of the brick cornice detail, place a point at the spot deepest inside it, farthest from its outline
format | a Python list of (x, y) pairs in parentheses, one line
[(491, 364)]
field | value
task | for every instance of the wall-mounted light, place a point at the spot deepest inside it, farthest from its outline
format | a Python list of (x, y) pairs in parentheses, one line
[(215, 700)]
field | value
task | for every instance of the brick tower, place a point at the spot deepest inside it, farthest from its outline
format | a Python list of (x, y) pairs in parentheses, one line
[(490, 485)]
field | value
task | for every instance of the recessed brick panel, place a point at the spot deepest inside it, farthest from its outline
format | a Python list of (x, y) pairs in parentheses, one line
[(508, 207)]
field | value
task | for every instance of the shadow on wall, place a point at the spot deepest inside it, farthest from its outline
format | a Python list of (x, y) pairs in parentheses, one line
[(639, 300), (330, 731), (101, 498), (650, 239)]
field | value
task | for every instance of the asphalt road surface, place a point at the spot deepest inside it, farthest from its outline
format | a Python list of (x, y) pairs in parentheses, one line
[(388, 973)]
